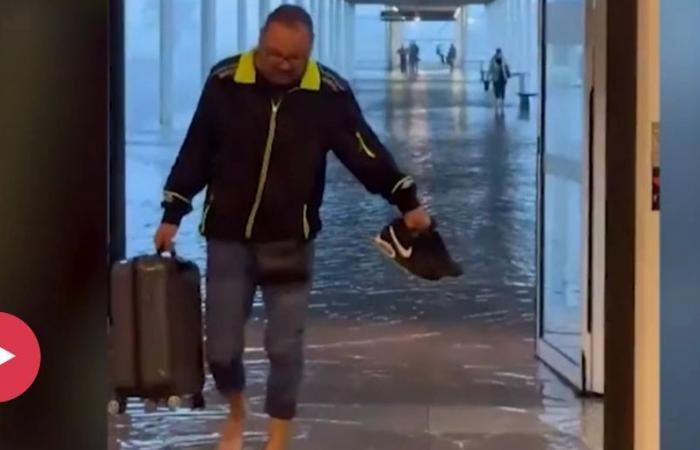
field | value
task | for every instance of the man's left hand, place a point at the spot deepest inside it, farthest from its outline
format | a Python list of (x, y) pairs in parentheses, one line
[(417, 220)]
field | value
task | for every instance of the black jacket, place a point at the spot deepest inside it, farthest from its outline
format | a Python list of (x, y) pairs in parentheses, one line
[(261, 154)]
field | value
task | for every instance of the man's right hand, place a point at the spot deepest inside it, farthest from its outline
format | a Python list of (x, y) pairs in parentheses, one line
[(165, 236)]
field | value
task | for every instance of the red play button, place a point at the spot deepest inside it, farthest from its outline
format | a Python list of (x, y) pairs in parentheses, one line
[(20, 357)]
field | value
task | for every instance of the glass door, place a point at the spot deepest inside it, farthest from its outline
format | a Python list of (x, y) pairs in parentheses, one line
[(563, 190)]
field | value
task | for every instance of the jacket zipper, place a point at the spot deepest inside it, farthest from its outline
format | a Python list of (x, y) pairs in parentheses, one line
[(307, 228), (265, 165)]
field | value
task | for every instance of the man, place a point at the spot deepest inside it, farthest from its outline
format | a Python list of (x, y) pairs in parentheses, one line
[(403, 56), (451, 57), (258, 142), (499, 73), (413, 57), (441, 55)]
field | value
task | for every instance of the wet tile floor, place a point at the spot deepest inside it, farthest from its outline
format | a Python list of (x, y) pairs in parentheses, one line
[(396, 363)]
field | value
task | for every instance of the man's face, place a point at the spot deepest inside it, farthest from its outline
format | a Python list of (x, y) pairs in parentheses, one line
[(283, 52)]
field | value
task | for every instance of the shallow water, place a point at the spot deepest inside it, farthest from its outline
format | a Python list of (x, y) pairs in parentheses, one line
[(396, 363)]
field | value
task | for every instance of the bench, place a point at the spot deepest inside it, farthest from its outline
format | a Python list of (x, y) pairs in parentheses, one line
[(525, 100)]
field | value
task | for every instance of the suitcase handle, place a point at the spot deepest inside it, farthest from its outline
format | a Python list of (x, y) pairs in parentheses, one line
[(171, 252)]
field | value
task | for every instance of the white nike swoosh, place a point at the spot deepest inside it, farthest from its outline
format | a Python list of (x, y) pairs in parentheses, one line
[(385, 247), (403, 251)]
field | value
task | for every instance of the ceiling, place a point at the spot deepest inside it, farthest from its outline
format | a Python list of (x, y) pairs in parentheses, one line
[(442, 14), (427, 10), (421, 3)]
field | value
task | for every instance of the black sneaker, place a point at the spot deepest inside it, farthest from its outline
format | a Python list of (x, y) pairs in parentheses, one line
[(423, 254)]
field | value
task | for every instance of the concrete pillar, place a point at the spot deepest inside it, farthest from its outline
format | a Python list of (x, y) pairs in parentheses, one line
[(263, 11), (208, 41), (522, 39), (330, 33), (321, 40), (394, 40), (242, 16), (511, 24), (349, 39), (340, 36), (534, 46), (460, 37), (387, 45), (340, 33), (167, 50), (313, 11), (335, 36)]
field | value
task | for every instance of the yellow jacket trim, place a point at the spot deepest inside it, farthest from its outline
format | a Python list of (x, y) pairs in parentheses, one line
[(403, 183), (246, 74), (263, 170), (363, 146), (203, 223), (307, 228), (170, 196)]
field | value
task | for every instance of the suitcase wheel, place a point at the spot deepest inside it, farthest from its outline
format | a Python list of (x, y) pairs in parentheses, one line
[(198, 401), (117, 406), (150, 405), (174, 402)]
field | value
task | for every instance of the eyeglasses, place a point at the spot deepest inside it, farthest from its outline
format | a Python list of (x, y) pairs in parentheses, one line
[(278, 59)]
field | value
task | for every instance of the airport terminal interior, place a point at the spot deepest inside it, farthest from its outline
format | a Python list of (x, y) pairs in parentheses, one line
[(498, 359)]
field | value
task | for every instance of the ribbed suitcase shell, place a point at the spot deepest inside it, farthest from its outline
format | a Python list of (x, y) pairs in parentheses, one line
[(156, 332)]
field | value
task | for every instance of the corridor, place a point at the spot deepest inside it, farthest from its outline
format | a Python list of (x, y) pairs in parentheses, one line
[(395, 363)]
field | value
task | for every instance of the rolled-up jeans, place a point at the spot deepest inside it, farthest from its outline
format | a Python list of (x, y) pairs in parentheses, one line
[(235, 270)]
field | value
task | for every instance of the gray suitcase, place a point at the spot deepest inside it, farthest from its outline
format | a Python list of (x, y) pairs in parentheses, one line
[(156, 346)]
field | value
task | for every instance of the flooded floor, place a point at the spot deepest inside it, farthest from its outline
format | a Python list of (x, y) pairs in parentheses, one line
[(396, 363)]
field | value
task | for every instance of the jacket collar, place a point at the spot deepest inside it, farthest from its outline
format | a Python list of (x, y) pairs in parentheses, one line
[(245, 72)]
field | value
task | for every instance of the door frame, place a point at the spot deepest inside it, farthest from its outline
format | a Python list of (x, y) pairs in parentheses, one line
[(576, 375), (615, 143), (620, 221), (594, 288)]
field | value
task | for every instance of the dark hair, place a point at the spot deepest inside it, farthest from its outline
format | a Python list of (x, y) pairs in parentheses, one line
[(290, 15)]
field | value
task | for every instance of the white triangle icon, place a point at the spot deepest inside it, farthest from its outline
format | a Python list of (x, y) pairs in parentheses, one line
[(5, 356)]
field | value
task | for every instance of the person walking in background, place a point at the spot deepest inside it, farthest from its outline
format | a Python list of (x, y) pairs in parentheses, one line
[(499, 73), (441, 55), (413, 57), (403, 58), (451, 57), (257, 142)]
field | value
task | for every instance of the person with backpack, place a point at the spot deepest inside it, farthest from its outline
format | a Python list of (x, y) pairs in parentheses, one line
[(499, 73)]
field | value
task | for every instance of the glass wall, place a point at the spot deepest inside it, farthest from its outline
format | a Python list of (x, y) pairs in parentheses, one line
[(564, 169)]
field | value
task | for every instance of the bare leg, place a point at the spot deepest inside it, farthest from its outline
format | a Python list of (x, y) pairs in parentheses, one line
[(232, 430), (279, 434)]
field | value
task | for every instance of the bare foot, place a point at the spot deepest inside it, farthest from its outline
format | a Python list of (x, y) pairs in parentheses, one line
[(232, 430), (279, 434)]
